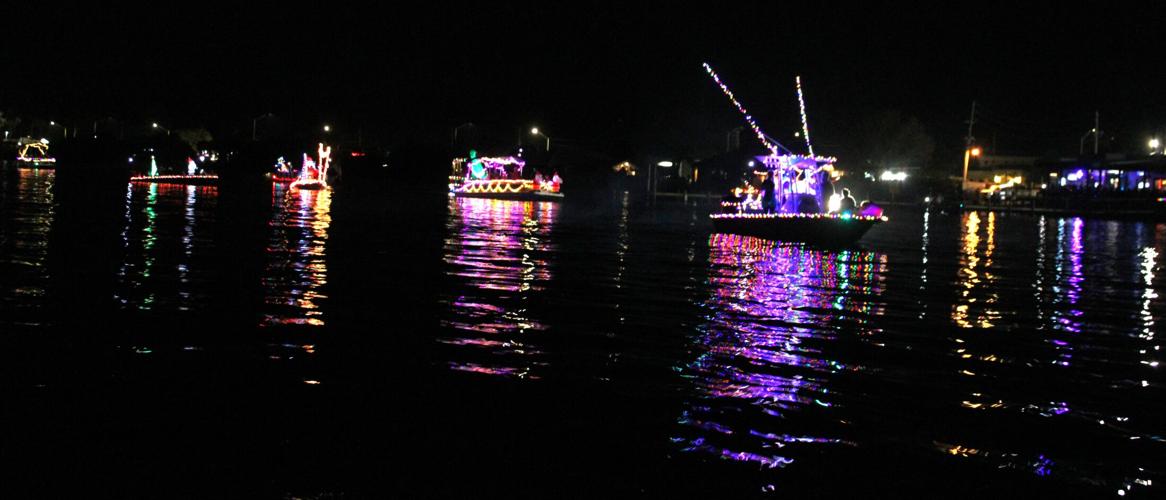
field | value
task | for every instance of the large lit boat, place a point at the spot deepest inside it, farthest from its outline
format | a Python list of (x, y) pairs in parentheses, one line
[(791, 197), (798, 211), (500, 177)]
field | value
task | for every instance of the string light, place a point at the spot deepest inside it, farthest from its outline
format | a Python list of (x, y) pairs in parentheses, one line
[(176, 179), (799, 216), (505, 186), (748, 118), (805, 122)]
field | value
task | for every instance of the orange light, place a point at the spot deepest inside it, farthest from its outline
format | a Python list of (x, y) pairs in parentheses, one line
[(975, 151)]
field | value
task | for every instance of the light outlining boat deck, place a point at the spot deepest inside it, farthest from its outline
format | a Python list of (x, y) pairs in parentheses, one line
[(497, 186), (798, 216), (174, 178)]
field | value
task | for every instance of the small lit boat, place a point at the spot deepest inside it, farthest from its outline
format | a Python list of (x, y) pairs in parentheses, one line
[(283, 172), (34, 154), (500, 178), (314, 173)]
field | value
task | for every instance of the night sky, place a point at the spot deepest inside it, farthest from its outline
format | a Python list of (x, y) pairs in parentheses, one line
[(597, 75)]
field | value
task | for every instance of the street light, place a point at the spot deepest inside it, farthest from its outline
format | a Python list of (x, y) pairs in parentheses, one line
[(155, 125), (55, 124), (534, 131), (1154, 145), (327, 128)]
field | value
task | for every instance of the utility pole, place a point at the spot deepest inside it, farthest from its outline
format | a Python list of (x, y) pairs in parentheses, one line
[(1096, 130), (968, 140), (971, 121)]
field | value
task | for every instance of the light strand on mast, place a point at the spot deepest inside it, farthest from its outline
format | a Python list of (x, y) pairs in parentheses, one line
[(748, 118), (805, 122)]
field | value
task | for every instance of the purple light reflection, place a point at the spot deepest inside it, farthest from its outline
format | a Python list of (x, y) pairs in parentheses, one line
[(497, 251), (772, 313)]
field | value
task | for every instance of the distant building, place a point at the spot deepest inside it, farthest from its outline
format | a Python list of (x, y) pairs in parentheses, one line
[(988, 170), (1113, 173)]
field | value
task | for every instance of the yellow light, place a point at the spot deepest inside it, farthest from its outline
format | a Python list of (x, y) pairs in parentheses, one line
[(975, 151)]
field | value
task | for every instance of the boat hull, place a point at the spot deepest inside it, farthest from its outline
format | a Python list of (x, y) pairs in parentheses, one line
[(822, 231), (308, 185)]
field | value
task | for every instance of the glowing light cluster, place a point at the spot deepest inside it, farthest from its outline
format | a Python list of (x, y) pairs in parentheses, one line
[(1002, 182), (835, 203), (889, 176)]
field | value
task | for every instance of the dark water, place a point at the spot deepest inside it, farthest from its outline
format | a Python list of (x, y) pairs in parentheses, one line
[(172, 341)]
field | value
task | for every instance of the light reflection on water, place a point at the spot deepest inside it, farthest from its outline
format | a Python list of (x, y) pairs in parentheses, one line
[(166, 228), (764, 373), (1038, 346), (1020, 343), (27, 208), (297, 266), (497, 252)]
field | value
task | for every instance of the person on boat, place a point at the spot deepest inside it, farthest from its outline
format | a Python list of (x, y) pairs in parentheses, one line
[(769, 194), (556, 181), (848, 204), (538, 180), (808, 204)]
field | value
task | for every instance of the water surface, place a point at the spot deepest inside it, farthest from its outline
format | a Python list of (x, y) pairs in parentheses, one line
[(371, 340)]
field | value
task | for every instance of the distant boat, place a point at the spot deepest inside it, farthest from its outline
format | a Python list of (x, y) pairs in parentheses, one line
[(500, 178), (191, 177), (798, 210), (34, 154), (197, 180), (787, 200), (313, 173)]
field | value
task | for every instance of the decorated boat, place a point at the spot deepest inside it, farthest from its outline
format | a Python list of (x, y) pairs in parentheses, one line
[(502, 178), (34, 153), (283, 172), (789, 196), (314, 173), (194, 175)]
